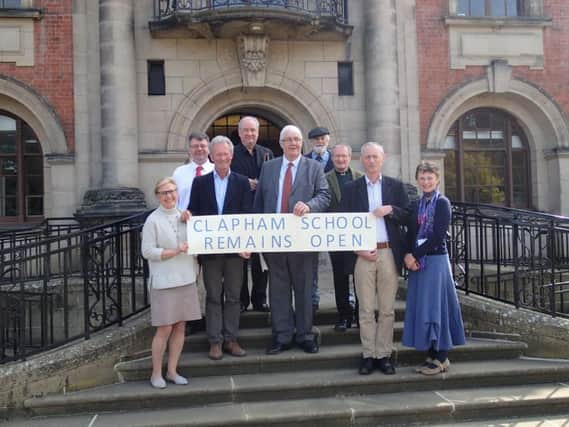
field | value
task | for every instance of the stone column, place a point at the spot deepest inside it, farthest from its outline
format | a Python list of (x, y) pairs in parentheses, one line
[(119, 123), (381, 80)]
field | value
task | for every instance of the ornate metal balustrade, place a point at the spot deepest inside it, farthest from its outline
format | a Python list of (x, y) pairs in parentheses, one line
[(334, 8), (60, 282), (279, 19), (516, 256)]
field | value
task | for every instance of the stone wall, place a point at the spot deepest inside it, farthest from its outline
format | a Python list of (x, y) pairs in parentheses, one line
[(78, 365), (546, 336)]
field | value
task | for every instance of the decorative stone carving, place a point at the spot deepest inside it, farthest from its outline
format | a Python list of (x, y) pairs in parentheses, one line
[(252, 51), (499, 76), (111, 203)]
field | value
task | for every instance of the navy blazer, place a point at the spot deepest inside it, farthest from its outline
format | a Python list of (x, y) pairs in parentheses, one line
[(238, 199), (392, 193), (329, 165)]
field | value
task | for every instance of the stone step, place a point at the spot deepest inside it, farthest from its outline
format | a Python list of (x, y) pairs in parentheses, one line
[(294, 360), (324, 316), (453, 396)]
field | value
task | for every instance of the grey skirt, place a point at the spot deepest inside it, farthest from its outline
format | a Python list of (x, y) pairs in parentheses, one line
[(172, 305)]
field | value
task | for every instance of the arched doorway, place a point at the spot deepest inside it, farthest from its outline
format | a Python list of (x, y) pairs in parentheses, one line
[(487, 160), (269, 128), (21, 172)]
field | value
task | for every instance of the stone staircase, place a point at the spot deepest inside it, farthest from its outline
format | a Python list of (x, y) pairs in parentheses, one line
[(488, 380)]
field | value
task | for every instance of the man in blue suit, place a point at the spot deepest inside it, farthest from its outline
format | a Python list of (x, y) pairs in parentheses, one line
[(291, 184), (222, 192), (377, 271)]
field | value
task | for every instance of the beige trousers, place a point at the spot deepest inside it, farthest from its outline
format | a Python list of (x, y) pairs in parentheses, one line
[(376, 286)]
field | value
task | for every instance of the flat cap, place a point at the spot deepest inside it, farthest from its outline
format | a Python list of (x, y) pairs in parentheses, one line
[(319, 131)]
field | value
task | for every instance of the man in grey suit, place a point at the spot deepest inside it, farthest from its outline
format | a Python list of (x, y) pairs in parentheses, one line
[(291, 184)]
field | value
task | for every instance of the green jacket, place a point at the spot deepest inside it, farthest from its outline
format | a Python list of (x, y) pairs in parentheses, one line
[(335, 187)]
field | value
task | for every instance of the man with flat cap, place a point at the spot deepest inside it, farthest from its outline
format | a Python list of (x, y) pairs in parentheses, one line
[(319, 139)]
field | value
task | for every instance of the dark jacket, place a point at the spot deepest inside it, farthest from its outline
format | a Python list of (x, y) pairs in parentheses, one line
[(393, 193), (238, 198), (329, 165)]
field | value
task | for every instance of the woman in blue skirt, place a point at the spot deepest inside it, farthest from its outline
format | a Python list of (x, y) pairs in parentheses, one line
[(433, 322)]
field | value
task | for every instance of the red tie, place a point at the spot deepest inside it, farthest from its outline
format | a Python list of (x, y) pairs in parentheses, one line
[(287, 188), (199, 171)]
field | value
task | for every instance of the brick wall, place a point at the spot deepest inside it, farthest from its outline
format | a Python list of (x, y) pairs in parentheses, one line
[(52, 74), (437, 80)]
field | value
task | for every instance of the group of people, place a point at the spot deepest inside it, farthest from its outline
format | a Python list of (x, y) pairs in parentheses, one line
[(248, 179)]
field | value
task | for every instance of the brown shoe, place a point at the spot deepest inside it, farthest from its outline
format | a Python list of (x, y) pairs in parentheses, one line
[(234, 349), (215, 352)]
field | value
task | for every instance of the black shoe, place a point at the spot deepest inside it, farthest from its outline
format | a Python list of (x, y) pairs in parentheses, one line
[(385, 366), (343, 325), (366, 366), (277, 347), (262, 307), (309, 346), (315, 308), (243, 308)]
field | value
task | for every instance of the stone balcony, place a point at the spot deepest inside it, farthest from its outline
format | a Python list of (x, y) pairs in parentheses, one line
[(278, 19)]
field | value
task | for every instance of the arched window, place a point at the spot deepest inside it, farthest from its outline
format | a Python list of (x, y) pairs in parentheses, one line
[(227, 126), (21, 172), (487, 160)]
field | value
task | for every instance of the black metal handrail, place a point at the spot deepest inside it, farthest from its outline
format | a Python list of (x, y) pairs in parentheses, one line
[(60, 282), (317, 8), (515, 256)]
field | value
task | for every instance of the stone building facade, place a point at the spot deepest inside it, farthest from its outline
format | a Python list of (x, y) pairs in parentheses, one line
[(112, 88)]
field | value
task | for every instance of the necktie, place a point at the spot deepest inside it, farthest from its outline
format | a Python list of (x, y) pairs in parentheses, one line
[(199, 171), (319, 158), (287, 187)]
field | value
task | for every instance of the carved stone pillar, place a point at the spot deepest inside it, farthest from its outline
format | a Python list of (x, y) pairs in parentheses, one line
[(119, 124), (381, 81)]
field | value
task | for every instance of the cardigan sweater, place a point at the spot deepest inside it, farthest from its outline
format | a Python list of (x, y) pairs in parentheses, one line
[(164, 230)]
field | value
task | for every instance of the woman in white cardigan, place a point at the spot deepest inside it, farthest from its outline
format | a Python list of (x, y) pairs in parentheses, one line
[(173, 290)]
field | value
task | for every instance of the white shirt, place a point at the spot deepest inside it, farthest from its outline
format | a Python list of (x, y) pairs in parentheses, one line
[(184, 176), (375, 200), (284, 167)]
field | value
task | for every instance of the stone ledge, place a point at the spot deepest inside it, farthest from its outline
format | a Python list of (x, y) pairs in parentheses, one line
[(546, 336), (77, 365)]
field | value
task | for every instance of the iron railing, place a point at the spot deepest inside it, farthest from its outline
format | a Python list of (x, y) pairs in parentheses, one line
[(515, 256), (318, 8), (60, 282)]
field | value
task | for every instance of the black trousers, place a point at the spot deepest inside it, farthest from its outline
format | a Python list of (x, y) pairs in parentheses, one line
[(341, 286), (258, 294)]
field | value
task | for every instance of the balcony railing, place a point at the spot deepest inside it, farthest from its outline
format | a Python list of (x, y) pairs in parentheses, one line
[(317, 8)]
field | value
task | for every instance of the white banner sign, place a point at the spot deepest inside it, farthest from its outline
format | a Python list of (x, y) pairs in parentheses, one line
[(319, 232)]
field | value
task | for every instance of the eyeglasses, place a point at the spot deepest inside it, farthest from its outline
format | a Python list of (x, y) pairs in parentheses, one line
[(198, 146), (166, 192)]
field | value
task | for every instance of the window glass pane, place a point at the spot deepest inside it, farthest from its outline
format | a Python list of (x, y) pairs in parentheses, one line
[(449, 143), (517, 142), (33, 165), (345, 79), (34, 185), (11, 4), (9, 166), (512, 8), (156, 78), (34, 206), (451, 185), (498, 8), (9, 206), (462, 8), (31, 143), (7, 135), (477, 7)]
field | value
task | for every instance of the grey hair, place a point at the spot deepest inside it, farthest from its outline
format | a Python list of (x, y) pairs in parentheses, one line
[(255, 119), (288, 128), (349, 147), (372, 144), (198, 136), (220, 139)]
